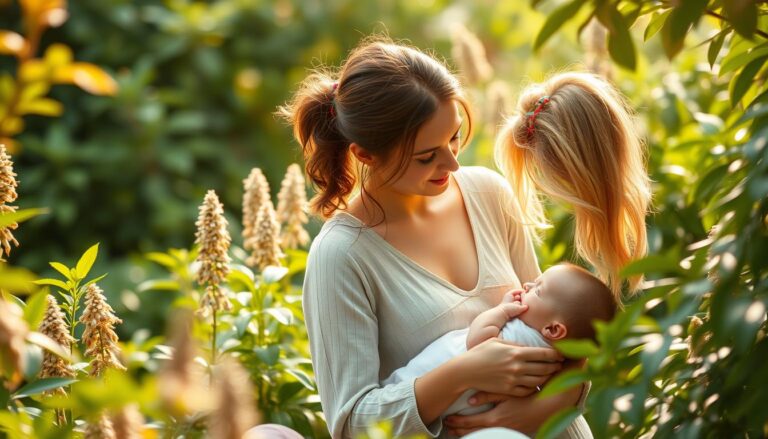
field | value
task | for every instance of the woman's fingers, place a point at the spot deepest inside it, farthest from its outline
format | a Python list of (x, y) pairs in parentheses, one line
[(536, 354), (481, 398)]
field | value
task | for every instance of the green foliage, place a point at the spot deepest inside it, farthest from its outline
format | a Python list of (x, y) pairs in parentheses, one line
[(682, 356)]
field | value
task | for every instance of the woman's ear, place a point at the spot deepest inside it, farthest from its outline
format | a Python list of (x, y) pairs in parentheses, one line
[(361, 154), (555, 331)]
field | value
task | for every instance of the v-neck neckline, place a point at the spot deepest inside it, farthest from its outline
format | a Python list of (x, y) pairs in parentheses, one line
[(399, 254)]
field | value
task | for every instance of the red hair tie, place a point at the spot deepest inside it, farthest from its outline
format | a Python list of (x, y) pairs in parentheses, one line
[(333, 98), (535, 112)]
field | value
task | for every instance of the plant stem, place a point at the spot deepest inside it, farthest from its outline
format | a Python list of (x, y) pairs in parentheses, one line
[(720, 17), (213, 340)]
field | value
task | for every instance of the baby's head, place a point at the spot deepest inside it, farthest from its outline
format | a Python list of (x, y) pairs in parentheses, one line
[(563, 302)]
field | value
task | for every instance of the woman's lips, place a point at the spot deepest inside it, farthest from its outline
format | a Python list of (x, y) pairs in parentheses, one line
[(440, 181)]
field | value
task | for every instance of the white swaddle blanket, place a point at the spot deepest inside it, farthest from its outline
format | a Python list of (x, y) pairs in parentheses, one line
[(455, 343)]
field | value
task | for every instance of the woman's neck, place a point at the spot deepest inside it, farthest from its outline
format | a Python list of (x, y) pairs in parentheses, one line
[(392, 206)]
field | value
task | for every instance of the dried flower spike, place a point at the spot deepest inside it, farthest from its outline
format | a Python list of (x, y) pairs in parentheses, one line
[(100, 429), (8, 194), (99, 335), (235, 412), (469, 54), (180, 377), (55, 327), (292, 208), (213, 240), (266, 242), (256, 192), (13, 332), (128, 423)]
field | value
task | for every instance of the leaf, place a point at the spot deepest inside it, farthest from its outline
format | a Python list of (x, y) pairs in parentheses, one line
[(8, 218), (733, 63), (159, 285), (577, 348), (89, 77), (742, 15), (745, 79), (282, 315), (86, 261), (714, 48), (41, 386), (93, 281), (620, 45), (302, 377), (557, 423), (555, 20), (48, 344), (52, 282), (11, 43), (162, 259), (61, 268), (563, 381), (35, 309), (682, 17), (272, 274), (42, 107), (652, 264), (268, 355), (655, 24), (58, 56), (16, 280)]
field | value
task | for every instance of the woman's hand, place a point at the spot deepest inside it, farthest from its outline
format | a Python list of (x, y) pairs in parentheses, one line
[(511, 412), (501, 367)]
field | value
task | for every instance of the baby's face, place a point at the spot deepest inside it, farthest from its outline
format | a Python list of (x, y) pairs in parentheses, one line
[(541, 305)]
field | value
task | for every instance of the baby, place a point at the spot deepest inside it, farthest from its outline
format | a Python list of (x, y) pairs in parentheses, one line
[(562, 303)]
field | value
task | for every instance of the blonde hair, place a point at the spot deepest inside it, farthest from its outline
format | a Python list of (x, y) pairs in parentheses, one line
[(581, 147)]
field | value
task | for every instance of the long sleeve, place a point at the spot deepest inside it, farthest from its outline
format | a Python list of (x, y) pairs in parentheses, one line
[(340, 313)]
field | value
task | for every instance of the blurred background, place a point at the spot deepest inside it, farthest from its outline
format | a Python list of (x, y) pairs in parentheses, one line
[(198, 84)]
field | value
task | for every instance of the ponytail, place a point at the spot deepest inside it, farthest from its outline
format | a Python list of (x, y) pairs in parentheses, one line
[(326, 151)]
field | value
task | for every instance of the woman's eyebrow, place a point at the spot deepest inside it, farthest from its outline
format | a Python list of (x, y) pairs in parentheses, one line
[(437, 147)]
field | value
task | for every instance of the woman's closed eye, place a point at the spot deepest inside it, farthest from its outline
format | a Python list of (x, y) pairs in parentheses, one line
[(425, 161)]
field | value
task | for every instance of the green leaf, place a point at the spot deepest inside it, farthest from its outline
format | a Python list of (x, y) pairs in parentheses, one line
[(16, 280), (620, 45), (302, 377), (35, 309), (53, 282), (652, 264), (282, 315), (555, 21), (733, 63), (94, 280), (159, 285), (42, 385), (655, 24), (742, 15), (714, 48), (557, 423), (86, 261), (162, 259), (268, 355), (563, 382), (61, 268), (8, 218), (683, 16), (577, 348), (745, 79)]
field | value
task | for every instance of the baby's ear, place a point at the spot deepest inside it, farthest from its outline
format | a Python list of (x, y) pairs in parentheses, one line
[(555, 331)]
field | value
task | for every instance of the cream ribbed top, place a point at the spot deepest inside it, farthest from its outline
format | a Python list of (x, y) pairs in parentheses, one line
[(369, 308)]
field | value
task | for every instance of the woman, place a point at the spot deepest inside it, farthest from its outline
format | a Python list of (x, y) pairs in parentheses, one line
[(421, 250)]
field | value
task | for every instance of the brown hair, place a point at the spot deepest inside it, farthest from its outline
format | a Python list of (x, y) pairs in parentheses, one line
[(586, 300), (383, 93), (582, 147)]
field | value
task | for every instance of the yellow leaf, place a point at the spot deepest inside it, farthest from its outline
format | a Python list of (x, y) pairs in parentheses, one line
[(34, 90), (44, 12), (58, 55), (34, 70), (6, 88), (12, 126), (11, 145), (91, 78), (42, 106), (11, 43)]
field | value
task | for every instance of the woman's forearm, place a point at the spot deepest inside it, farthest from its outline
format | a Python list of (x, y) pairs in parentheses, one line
[(437, 389)]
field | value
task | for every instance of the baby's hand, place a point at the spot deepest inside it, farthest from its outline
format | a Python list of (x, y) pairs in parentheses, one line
[(513, 296)]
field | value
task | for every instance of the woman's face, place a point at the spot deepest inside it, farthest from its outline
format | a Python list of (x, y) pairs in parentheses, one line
[(434, 157)]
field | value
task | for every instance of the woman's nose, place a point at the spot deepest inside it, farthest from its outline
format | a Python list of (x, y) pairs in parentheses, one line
[(451, 162)]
